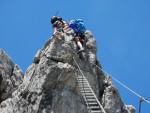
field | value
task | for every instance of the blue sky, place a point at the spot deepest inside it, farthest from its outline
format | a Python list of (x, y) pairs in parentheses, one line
[(120, 27)]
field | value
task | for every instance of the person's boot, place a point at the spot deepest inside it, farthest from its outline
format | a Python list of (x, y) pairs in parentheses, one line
[(81, 50)]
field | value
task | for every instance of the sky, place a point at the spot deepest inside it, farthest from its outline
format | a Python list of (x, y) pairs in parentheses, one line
[(120, 27)]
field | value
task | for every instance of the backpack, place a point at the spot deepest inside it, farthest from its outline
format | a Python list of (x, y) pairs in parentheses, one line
[(80, 27)]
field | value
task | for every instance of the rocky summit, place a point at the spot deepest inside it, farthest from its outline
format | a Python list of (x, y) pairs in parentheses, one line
[(59, 80)]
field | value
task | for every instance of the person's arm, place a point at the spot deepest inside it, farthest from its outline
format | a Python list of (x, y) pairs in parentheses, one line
[(66, 26)]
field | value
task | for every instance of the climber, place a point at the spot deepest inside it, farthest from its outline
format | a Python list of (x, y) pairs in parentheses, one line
[(58, 24), (79, 29)]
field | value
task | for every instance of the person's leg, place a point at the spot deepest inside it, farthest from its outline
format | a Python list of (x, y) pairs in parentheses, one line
[(55, 30), (79, 43)]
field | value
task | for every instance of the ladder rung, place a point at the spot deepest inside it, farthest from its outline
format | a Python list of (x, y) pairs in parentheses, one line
[(81, 77), (88, 96), (83, 83), (84, 88), (91, 100), (97, 111), (92, 103), (86, 91), (81, 80), (94, 107)]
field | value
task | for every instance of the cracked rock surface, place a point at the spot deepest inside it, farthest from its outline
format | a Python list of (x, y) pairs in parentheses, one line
[(50, 84), (11, 76)]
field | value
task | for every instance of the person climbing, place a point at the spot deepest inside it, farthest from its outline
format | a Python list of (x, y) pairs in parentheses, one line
[(79, 29), (58, 24)]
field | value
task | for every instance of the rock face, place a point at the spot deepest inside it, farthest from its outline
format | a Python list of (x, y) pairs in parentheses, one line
[(10, 76), (50, 84)]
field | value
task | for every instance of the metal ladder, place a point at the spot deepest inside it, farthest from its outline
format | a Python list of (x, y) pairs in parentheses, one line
[(89, 96)]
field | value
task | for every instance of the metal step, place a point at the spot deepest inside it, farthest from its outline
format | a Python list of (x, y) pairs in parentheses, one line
[(82, 82), (85, 88), (96, 111), (86, 91), (94, 107), (87, 94), (85, 82), (80, 77), (83, 85), (92, 103), (91, 100)]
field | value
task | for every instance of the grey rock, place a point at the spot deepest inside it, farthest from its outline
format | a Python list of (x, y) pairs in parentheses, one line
[(10, 76), (50, 84), (112, 101)]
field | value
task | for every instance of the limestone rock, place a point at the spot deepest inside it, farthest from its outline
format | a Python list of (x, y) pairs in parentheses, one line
[(10, 76), (50, 84)]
